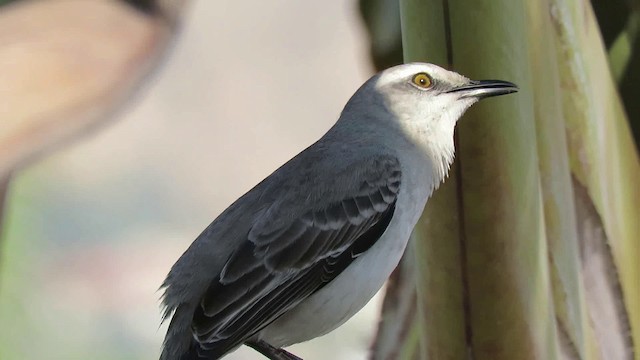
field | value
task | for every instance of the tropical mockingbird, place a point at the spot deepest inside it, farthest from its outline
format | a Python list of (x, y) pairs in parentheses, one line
[(306, 248)]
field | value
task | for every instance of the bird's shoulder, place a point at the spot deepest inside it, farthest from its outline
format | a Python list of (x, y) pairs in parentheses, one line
[(322, 176)]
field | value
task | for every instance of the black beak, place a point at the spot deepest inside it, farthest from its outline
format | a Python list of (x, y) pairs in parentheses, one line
[(485, 88)]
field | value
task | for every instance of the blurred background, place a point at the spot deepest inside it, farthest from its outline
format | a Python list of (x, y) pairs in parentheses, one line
[(92, 230)]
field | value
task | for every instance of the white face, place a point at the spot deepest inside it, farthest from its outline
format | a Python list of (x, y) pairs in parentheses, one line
[(420, 89), (421, 96), (425, 105)]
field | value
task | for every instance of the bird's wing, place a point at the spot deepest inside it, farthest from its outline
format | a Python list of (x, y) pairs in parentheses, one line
[(283, 262)]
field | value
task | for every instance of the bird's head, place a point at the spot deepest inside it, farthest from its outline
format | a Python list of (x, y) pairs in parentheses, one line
[(424, 101), (425, 96)]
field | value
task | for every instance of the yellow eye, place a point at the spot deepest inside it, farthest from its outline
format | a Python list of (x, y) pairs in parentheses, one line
[(422, 80)]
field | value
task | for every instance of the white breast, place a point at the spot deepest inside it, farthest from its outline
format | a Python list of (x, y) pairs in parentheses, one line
[(339, 300)]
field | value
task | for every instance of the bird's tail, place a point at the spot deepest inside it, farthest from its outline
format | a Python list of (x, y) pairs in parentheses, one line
[(179, 343)]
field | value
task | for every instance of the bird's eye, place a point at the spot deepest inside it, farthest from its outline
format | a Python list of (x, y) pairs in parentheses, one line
[(422, 80)]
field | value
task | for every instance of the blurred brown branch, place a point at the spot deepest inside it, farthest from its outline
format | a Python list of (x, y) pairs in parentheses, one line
[(70, 64)]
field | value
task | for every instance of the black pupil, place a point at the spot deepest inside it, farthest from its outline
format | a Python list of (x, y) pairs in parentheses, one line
[(423, 81)]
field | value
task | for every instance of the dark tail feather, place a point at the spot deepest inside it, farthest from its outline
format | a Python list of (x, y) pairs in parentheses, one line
[(192, 353), (179, 343), (195, 352)]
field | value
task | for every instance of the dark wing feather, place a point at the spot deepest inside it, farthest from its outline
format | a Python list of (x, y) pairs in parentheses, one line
[(279, 267)]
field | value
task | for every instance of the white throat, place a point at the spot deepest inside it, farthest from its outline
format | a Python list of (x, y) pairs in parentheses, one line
[(432, 132)]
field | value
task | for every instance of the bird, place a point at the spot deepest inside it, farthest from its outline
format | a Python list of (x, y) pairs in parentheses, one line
[(307, 247)]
